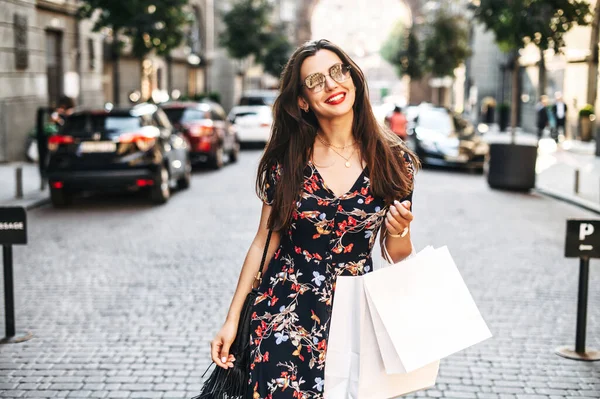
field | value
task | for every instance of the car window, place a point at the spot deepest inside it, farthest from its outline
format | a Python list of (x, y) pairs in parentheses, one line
[(216, 116), (163, 120), (242, 114), (436, 119), (85, 124)]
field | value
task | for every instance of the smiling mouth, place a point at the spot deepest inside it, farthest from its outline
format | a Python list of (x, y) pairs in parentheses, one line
[(336, 99)]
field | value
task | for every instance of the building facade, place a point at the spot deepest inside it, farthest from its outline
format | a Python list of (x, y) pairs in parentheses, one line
[(44, 53)]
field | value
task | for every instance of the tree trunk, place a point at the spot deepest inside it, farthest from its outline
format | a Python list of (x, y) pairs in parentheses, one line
[(592, 80), (115, 70), (441, 97), (515, 99), (542, 83)]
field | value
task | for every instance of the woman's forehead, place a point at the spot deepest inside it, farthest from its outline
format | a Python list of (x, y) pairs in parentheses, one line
[(320, 62)]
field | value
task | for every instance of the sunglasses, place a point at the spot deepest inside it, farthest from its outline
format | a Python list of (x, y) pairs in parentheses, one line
[(316, 82)]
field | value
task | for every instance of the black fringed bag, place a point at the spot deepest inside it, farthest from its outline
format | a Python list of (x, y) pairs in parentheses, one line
[(233, 382)]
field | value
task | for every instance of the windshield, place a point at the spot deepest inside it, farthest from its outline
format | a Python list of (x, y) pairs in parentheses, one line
[(436, 119), (85, 124), (184, 115)]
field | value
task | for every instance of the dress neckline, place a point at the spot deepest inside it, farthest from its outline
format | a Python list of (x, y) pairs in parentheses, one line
[(326, 187)]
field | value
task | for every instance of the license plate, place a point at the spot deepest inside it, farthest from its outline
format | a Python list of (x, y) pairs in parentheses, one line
[(457, 158), (98, 146)]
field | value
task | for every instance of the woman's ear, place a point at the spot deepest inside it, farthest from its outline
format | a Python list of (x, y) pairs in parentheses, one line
[(302, 104)]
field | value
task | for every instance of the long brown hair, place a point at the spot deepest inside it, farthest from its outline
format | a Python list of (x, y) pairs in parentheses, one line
[(294, 131)]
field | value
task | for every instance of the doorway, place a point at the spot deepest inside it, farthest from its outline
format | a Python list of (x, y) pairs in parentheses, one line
[(54, 66)]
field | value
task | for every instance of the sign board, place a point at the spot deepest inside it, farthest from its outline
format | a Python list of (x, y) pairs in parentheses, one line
[(13, 226), (583, 239)]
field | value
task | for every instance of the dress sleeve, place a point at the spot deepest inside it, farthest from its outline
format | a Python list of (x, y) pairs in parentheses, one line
[(273, 176)]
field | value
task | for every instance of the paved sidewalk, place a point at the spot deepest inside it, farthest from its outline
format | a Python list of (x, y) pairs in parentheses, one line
[(32, 195), (557, 166)]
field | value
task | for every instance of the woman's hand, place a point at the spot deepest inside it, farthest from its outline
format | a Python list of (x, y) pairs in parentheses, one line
[(398, 218), (220, 345)]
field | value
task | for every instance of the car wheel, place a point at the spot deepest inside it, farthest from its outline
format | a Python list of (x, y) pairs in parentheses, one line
[(217, 160), (235, 152), (185, 180), (60, 198), (161, 192)]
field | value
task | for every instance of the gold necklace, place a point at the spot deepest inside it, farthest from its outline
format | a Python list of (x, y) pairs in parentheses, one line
[(328, 144), (347, 164)]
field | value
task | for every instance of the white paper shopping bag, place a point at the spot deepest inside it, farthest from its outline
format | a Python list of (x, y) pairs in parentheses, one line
[(354, 368), (426, 309)]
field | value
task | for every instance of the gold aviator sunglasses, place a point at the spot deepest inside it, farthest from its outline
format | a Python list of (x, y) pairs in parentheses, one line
[(316, 82)]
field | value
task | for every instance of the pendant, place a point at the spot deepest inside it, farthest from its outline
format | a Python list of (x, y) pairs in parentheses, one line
[(347, 164)]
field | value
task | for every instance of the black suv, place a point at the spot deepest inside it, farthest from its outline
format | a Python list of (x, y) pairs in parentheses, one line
[(119, 149)]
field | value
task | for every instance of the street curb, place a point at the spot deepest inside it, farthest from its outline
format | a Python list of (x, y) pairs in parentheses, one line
[(37, 204), (570, 199)]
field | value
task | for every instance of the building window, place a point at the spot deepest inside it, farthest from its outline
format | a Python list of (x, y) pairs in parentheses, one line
[(91, 54)]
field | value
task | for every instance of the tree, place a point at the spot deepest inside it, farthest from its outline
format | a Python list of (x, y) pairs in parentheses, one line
[(403, 52), (446, 47), (276, 54), (150, 24), (250, 33), (519, 22)]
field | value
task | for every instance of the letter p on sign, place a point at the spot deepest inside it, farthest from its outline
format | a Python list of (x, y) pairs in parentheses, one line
[(585, 229)]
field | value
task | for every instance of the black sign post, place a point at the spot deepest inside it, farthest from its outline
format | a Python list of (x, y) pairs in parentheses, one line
[(13, 231), (583, 242)]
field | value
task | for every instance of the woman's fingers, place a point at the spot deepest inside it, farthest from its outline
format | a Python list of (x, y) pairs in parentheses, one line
[(400, 210), (215, 353), (394, 226)]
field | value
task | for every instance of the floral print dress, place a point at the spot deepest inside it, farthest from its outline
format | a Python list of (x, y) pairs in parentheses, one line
[(329, 236)]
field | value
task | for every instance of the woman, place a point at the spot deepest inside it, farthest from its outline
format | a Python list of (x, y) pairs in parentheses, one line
[(330, 178)]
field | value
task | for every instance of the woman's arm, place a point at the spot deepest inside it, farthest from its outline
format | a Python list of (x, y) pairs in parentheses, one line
[(252, 263), (222, 342)]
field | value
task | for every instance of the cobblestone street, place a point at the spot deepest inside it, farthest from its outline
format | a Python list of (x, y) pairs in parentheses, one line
[(123, 297)]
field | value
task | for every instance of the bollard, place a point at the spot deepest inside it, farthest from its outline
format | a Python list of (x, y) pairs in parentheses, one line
[(19, 181), (576, 181)]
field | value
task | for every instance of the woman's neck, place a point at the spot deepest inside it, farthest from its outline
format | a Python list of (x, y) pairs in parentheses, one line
[(337, 131)]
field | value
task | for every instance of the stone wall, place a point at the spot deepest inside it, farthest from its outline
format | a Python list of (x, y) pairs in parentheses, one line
[(25, 86)]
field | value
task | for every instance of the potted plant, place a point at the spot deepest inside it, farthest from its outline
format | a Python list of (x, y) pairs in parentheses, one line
[(503, 116), (586, 117)]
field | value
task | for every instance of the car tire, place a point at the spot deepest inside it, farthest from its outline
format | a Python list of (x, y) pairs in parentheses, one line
[(235, 152), (60, 198), (217, 160), (161, 191), (184, 182)]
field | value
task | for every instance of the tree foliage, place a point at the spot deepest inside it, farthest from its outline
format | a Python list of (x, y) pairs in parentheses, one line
[(542, 22), (403, 51), (250, 32), (150, 24), (246, 28), (447, 45), (277, 52)]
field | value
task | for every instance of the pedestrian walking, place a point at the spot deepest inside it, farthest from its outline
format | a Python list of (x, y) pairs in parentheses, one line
[(542, 116), (559, 110), (397, 123), (331, 179)]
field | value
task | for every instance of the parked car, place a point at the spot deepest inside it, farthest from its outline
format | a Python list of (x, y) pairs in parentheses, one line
[(207, 129), (120, 149), (259, 97), (252, 123), (440, 137)]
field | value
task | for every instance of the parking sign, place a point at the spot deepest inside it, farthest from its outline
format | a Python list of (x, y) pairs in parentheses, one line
[(583, 239)]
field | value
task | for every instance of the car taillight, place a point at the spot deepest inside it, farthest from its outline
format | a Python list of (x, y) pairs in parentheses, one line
[(143, 141), (265, 124), (201, 129), (57, 140)]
